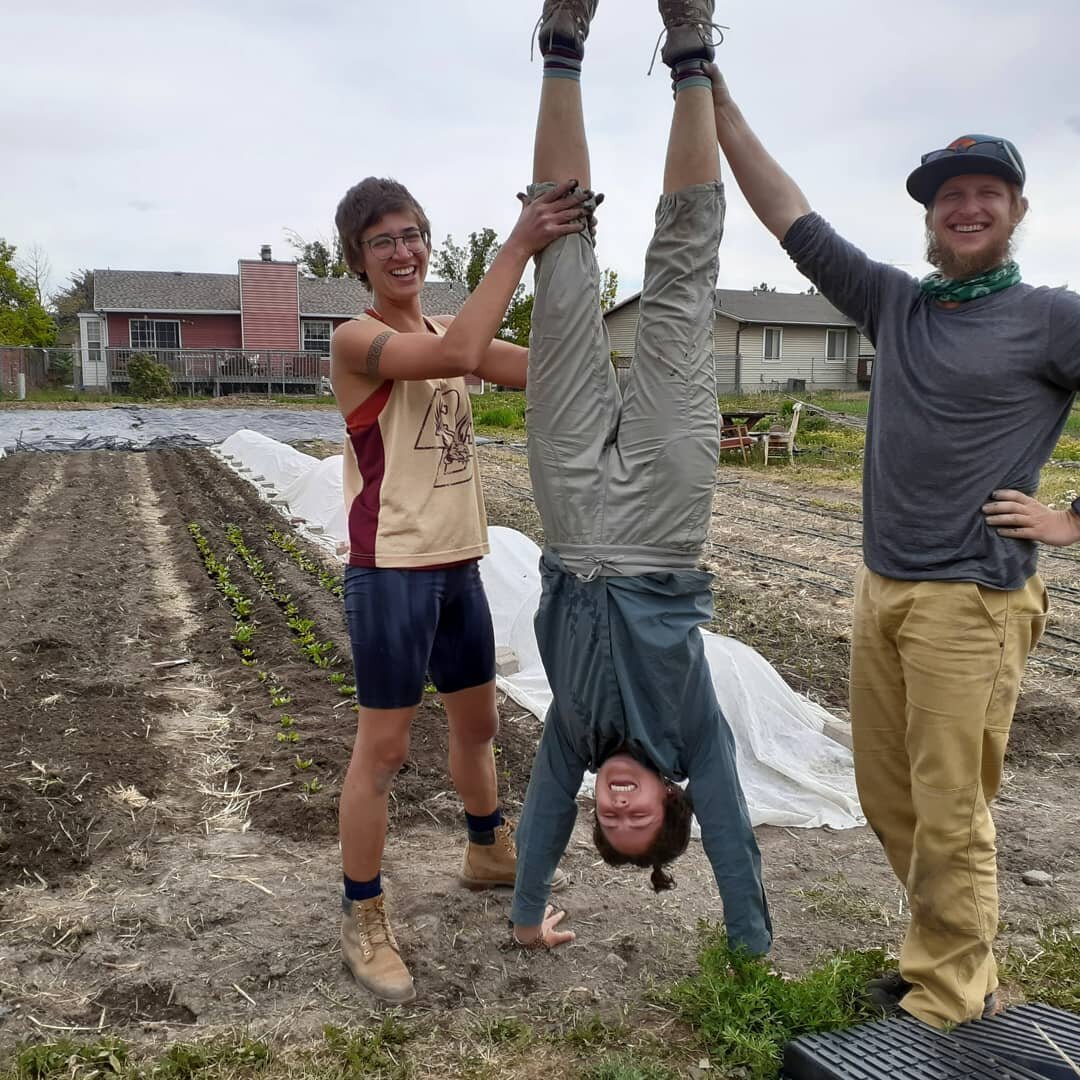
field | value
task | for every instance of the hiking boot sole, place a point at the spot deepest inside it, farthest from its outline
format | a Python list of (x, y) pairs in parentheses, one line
[(402, 998)]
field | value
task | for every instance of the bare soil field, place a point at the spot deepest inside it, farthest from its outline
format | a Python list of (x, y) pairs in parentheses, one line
[(168, 852)]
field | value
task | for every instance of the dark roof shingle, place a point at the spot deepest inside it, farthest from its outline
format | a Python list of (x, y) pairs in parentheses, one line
[(781, 309), (163, 291), (342, 297), (791, 309)]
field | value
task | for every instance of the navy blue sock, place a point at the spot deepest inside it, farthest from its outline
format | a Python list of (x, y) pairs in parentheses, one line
[(362, 890), (482, 829)]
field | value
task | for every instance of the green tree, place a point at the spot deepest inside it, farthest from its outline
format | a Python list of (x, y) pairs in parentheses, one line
[(467, 265), (317, 258), (23, 321), (77, 295), (609, 286), (518, 318)]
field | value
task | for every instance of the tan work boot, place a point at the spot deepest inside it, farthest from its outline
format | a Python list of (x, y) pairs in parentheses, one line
[(690, 26), (489, 865), (371, 953)]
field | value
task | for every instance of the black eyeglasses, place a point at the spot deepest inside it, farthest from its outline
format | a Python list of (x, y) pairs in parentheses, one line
[(384, 245), (996, 148)]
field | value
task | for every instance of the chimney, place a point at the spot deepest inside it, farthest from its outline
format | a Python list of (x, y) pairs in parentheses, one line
[(264, 253)]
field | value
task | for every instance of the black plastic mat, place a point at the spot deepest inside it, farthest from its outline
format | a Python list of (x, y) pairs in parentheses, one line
[(901, 1049), (1039, 1037)]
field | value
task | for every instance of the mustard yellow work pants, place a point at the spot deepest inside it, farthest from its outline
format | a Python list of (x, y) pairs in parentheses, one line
[(935, 674)]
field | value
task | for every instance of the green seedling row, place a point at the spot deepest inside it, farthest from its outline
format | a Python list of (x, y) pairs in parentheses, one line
[(323, 654), (331, 582), (245, 627)]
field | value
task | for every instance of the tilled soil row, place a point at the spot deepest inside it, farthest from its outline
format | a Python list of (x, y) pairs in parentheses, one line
[(82, 625)]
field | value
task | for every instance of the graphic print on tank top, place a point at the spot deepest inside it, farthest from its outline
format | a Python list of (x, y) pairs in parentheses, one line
[(447, 427)]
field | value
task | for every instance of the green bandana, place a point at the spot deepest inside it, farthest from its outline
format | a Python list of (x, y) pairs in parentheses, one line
[(938, 287)]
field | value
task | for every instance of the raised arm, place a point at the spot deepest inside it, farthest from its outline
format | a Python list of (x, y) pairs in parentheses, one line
[(364, 348), (771, 193), (504, 363)]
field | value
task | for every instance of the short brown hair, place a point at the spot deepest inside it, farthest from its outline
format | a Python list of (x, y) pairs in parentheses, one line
[(671, 840), (362, 205)]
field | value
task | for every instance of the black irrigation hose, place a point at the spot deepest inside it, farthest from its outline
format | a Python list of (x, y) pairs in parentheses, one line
[(843, 541), (802, 505), (1069, 669), (757, 556)]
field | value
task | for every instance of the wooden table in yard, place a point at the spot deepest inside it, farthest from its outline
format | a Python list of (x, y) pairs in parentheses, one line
[(747, 417)]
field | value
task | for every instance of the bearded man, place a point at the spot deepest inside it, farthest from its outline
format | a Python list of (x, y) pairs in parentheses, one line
[(974, 377)]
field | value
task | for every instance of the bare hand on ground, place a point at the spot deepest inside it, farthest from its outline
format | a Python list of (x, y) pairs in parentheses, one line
[(548, 934), (1021, 517)]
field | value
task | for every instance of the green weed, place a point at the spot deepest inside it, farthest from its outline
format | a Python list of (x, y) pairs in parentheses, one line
[(745, 1013)]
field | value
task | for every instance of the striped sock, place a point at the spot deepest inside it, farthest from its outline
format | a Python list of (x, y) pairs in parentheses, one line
[(688, 73), (562, 64)]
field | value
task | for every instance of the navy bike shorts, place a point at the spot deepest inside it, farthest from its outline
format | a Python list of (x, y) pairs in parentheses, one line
[(406, 623)]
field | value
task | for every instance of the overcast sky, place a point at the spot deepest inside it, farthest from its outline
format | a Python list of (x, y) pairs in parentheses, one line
[(175, 136)]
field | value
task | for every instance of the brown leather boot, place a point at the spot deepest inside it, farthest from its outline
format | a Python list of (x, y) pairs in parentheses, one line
[(489, 865), (371, 953), (564, 24), (690, 26)]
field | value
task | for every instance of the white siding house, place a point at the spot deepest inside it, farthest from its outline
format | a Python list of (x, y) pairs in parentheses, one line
[(768, 341)]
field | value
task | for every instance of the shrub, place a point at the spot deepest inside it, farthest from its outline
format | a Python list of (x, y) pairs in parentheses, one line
[(147, 378)]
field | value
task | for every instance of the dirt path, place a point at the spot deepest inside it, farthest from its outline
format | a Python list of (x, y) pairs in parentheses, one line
[(167, 867)]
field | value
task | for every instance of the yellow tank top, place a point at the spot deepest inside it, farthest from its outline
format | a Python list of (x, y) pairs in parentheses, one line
[(420, 503)]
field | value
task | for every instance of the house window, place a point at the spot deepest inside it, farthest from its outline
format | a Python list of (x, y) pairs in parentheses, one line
[(836, 345), (772, 342), (154, 334), (316, 336)]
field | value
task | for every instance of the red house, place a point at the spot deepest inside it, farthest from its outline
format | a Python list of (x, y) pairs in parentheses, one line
[(265, 328)]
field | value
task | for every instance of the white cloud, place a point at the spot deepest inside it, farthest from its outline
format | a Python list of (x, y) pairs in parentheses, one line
[(183, 136)]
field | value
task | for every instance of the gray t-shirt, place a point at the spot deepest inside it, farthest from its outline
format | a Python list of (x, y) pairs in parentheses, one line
[(964, 401)]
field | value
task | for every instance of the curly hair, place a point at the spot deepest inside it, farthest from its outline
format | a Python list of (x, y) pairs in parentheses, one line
[(671, 840), (362, 205)]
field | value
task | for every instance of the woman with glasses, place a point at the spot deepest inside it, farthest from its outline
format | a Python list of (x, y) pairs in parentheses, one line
[(413, 596)]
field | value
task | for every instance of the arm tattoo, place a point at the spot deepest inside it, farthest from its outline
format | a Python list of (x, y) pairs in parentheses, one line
[(374, 354)]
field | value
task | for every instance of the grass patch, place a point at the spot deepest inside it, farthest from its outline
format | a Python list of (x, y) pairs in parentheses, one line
[(498, 417), (744, 1013), (499, 413), (1051, 973)]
